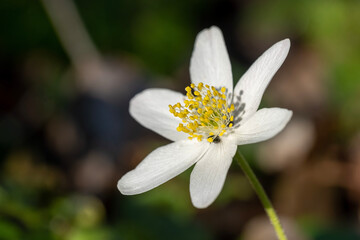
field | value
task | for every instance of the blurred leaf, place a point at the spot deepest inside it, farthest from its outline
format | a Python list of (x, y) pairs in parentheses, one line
[(160, 40), (9, 231)]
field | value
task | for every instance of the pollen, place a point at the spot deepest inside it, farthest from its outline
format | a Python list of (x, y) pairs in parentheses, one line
[(206, 112)]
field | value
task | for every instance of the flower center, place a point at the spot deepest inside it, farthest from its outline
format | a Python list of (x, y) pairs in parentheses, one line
[(205, 112)]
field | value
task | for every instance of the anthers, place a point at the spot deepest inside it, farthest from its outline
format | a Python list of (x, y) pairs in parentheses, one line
[(205, 112)]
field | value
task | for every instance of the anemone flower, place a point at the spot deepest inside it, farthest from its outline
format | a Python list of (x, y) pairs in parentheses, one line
[(207, 123)]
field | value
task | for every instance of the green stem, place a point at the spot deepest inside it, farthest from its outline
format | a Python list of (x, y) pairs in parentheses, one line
[(262, 195)]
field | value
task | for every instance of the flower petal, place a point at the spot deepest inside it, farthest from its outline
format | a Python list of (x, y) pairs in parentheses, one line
[(253, 83), (161, 165), (151, 109), (209, 173), (264, 124), (210, 62)]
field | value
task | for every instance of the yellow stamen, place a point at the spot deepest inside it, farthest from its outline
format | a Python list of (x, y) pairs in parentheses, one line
[(205, 113)]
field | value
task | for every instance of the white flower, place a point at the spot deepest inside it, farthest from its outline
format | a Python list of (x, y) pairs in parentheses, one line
[(207, 123)]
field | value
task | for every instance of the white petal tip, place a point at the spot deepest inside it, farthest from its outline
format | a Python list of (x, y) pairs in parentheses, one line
[(211, 31), (286, 118), (125, 188), (286, 40), (214, 28), (282, 46), (285, 44), (290, 113), (287, 114), (200, 204), (121, 187)]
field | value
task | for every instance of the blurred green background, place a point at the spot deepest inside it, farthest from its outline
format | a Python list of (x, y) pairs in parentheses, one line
[(69, 68)]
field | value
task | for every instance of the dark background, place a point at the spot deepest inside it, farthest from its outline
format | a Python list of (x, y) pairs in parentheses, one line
[(69, 68)]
